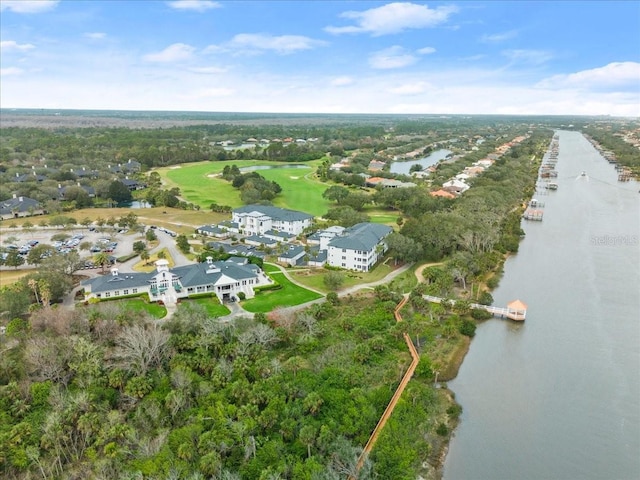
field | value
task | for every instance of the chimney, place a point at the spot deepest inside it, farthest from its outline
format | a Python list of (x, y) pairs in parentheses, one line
[(59, 185), (33, 167), (79, 184), (17, 174), (21, 199), (15, 196), (209, 260), (114, 272)]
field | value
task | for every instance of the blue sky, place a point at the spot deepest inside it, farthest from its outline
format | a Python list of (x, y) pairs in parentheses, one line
[(459, 57)]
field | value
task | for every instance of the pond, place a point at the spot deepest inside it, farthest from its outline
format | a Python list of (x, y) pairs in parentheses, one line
[(404, 166)]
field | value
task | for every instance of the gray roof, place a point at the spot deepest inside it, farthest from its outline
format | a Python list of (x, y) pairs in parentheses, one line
[(18, 204), (283, 235), (362, 236), (211, 229), (189, 275), (292, 252), (276, 213), (260, 239), (244, 250), (105, 283), (194, 275)]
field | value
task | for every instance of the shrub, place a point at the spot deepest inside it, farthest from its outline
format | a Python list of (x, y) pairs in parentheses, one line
[(242, 295), (468, 328), (480, 314), (485, 298), (442, 430)]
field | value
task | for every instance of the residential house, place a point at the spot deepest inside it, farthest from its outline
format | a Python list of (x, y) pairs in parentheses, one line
[(442, 193), (18, 207), (455, 186), (292, 255)]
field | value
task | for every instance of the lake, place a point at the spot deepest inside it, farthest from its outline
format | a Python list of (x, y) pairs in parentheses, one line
[(404, 166), (558, 397)]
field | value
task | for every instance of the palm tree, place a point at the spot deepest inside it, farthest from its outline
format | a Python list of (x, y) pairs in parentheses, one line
[(33, 284), (144, 256), (101, 259)]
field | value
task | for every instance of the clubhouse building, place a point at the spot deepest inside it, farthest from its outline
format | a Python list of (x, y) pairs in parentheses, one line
[(224, 279)]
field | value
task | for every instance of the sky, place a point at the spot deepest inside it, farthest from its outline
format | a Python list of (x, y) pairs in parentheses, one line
[(316, 56)]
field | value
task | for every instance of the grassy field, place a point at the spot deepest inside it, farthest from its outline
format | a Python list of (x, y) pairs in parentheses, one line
[(149, 265), (288, 296), (8, 277), (153, 309), (212, 306), (181, 221), (314, 277), (198, 184)]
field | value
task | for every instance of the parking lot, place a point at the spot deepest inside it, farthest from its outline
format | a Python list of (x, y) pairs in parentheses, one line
[(108, 241)]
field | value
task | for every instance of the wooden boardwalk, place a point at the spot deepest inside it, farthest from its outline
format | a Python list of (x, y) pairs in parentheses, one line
[(396, 396), (513, 312)]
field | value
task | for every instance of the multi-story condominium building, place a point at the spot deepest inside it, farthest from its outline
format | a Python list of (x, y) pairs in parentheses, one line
[(260, 219), (358, 247)]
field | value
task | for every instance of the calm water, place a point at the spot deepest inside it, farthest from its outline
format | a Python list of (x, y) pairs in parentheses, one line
[(558, 397), (432, 159)]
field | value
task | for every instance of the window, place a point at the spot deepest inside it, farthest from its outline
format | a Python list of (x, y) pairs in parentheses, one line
[(107, 294), (126, 292), (135, 290), (116, 293)]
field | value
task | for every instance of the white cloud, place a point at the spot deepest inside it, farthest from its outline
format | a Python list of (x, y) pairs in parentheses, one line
[(13, 46), (195, 5), (426, 51), (499, 37), (392, 57), (95, 35), (283, 44), (28, 6), (213, 92), (177, 52), (208, 70), (533, 57), (342, 81), (615, 74), (393, 18), (5, 72), (411, 88)]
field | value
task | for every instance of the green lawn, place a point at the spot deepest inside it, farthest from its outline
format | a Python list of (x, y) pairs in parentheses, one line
[(137, 304), (314, 277), (288, 296), (212, 306), (198, 184)]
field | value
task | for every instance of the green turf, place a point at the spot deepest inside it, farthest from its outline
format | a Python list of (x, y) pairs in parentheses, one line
[(212, 306), (153, 309), (300, 190), (288, 296)]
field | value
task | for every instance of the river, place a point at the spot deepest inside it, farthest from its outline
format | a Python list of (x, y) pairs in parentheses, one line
[(558, 397)]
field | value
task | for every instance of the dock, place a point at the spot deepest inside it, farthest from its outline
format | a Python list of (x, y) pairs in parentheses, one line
[(515, 310), (533, 214)]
